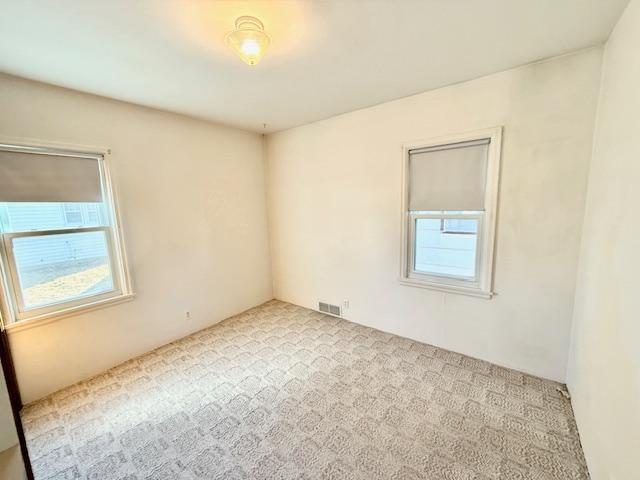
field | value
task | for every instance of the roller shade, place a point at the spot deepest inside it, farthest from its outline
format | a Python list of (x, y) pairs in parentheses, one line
[(31, 177), (448, 177)]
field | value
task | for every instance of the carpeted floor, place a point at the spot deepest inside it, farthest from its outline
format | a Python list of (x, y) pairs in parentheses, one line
[(282, 392)]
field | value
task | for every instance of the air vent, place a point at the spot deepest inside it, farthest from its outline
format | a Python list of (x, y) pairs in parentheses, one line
[(330, 309)]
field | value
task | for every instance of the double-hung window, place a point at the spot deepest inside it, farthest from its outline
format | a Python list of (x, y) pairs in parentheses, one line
[(61, 247), (450, 193)]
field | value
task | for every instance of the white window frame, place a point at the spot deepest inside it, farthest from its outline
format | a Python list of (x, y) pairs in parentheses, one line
[(14, 314), (482, 284)]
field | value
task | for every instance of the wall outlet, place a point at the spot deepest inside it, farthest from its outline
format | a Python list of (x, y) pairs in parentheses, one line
[(345, 305), (187, 315)]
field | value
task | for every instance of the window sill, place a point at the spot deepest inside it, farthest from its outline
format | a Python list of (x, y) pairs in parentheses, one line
[(67, 312), (472, 292)]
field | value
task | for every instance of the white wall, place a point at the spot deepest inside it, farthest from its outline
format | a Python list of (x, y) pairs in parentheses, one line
[(604, 364), (334, 211), (192, 197)]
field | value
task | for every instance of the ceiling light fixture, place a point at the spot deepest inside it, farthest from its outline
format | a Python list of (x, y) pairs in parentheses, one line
[(248, 40)]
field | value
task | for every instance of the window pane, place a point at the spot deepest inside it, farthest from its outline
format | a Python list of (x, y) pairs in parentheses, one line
[(446, 246), (38, 216), (60, 268), (459, 225), (72, 214)]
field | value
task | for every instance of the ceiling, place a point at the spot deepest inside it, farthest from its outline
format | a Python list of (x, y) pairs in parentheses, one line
[(326, 57)]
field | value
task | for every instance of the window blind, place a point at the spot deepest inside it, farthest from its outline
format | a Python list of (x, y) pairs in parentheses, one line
[(448, 177), (39, 177)]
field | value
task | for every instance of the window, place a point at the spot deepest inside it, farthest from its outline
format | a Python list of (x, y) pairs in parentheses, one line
[(72, 214), (81, 214), (92, 214), (445, 252), (450, 193), (60, 245)]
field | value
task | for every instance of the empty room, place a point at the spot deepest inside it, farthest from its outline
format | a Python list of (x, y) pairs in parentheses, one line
[(319, 239)]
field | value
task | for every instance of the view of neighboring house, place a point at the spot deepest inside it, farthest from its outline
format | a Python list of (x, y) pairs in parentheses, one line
[(57, 267)]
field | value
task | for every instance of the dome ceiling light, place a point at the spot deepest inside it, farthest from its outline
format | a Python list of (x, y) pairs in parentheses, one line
[(249, 40)]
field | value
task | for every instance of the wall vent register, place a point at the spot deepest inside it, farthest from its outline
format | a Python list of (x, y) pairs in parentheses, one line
[(334, 310)]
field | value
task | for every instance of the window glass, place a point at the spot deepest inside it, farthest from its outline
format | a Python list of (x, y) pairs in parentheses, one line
[(92, 211), (459, 225), (39, 216), (72, 214), (446, 246), (59, 268)]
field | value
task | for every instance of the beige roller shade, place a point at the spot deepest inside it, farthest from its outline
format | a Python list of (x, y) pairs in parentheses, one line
[(31, 177), (448, 177)]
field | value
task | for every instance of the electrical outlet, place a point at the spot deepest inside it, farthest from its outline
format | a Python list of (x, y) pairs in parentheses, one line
[(345, 304), (187, 315)]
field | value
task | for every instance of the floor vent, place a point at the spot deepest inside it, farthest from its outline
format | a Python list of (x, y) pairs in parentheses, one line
[(330, 309)]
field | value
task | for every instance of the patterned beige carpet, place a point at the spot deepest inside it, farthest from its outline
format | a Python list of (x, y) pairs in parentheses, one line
[(281, 392)]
